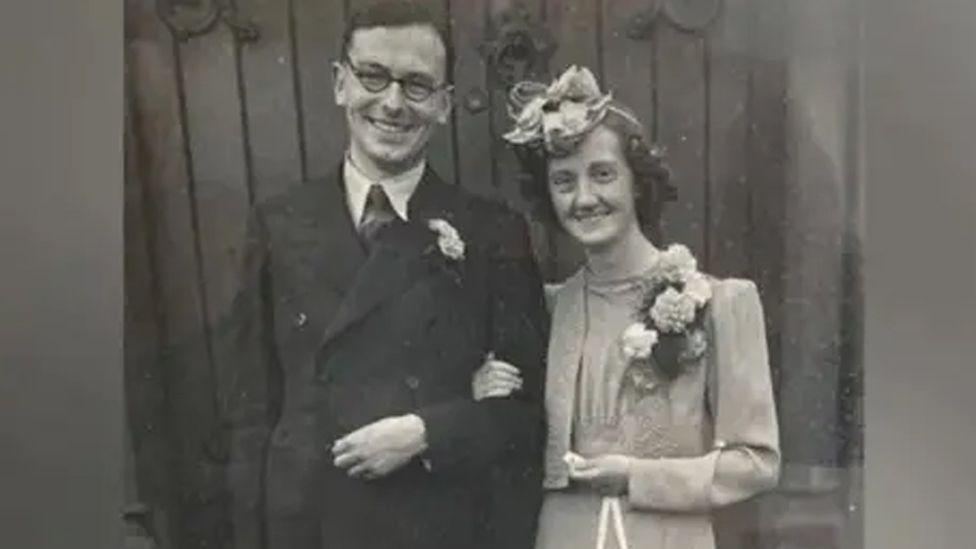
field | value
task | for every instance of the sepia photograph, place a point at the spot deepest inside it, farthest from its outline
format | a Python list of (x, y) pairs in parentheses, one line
[(492, 274)]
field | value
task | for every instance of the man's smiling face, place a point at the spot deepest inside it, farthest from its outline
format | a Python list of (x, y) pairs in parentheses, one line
[(388, 130)]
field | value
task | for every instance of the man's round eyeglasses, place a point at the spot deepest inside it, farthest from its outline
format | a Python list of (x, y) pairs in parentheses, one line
[(376, 78)]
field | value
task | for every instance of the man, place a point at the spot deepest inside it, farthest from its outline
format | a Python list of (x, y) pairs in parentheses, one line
[(370, 299)]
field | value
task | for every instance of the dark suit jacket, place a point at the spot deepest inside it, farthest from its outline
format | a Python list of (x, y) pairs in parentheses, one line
[(329, 338)]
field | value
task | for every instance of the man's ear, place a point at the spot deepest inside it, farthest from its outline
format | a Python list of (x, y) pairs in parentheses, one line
[(339, 76), (446, 104)]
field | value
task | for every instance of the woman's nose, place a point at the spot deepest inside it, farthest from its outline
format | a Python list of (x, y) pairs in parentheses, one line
[(584, 194)]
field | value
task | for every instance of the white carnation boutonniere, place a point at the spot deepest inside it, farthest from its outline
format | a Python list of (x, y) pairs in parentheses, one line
[(638, 342), (448, 239)]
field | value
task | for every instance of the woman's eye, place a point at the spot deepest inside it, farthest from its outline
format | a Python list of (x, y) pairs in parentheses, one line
[(561, 182), (604, 174)]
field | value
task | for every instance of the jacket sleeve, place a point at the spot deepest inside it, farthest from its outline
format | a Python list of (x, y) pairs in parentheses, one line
[(745, 457), (464, 433)]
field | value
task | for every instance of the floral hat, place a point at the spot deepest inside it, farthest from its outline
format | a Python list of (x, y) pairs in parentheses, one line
[(559, 115)]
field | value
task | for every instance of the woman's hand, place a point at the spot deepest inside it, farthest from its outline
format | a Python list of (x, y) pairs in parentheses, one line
[(609, 473), (495, 379)]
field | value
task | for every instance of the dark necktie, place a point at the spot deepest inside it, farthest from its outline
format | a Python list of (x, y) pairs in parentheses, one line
[(376, 214)]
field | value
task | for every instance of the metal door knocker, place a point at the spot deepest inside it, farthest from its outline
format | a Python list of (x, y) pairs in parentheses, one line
[(518, 47)]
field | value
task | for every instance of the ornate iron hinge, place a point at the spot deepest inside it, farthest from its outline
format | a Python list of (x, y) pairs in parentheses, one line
[(188, 19), (686, 15)]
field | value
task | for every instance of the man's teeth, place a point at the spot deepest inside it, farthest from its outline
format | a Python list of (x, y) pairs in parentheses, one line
[(387, 126)]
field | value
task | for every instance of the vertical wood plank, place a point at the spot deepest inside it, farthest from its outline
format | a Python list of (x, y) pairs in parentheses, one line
[(440, 150), (626, 61), (218, 159), (164, 169), (574, 24), (506, 170), (628, 66), (318, 34), (728, 220), (149, 479), (220, 177), (474, 136), (681, 113), (816, 190), (220, 156), (485, 158), (577, 34), (736, 526), (766, 171), (269, 89)]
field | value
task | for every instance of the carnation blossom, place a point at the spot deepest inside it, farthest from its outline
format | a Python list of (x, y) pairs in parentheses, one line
[(698, 288), (672, 311), (638, 341), (448, 239), (677, 264)]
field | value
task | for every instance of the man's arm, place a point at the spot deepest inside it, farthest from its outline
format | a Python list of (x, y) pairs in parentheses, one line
[(464, 434), (467, 433)]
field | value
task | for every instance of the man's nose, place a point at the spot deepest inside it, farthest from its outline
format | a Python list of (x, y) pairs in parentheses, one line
[(393, 100)]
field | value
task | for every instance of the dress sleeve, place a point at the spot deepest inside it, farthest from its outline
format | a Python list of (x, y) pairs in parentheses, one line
[(745, 457)]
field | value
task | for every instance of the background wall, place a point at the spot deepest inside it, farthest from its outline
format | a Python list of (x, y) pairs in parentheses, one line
[(754, 110)]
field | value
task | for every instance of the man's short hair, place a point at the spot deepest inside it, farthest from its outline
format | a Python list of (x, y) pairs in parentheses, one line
[(399, 13)]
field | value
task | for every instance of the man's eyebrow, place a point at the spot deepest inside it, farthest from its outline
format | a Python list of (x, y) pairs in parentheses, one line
[(373, 64), (410, 74)]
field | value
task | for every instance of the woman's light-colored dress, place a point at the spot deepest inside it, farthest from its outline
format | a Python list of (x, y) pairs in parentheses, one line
[(707, 438)]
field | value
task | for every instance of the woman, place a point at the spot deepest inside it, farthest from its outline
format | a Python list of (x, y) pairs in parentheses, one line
[(658, 394)]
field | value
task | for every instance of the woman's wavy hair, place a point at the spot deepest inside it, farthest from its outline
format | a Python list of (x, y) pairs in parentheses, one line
[(652, 177)]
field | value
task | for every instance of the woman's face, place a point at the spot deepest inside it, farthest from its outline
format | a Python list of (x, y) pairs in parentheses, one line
[(592, 190)]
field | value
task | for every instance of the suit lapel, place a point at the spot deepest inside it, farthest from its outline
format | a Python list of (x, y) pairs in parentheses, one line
[(342, 254), (397, 261)]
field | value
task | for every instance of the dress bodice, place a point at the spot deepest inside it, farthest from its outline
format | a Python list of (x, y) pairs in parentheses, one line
[(612, 414)]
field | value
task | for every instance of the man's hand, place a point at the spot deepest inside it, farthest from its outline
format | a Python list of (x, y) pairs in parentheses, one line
[(377, 449)]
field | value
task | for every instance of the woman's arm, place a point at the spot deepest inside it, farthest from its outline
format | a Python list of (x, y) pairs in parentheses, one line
[(745, 456)]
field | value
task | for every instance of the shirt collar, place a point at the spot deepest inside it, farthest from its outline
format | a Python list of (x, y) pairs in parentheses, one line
[(399, 188)]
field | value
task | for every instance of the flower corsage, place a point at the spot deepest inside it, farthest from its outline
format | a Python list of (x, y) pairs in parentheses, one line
[(448, 239), (668, 332), (449, 249)]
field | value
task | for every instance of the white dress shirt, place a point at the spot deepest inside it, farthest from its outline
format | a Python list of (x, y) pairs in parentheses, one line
[(398, 188)]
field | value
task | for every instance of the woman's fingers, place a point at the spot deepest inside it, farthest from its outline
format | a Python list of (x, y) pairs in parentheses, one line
[(501, 370), (495, 376), (589, 473), (510, 384), (495, 390), (501, 365), (496, 379), (501, 388)]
